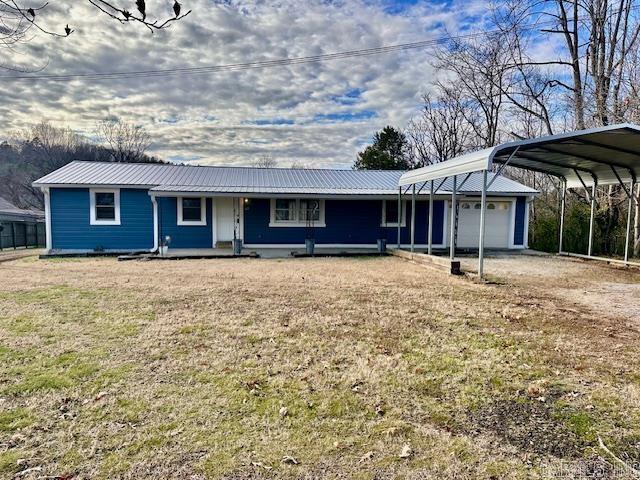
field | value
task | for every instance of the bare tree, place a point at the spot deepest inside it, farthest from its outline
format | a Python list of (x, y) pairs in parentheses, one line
[(479, 69), (40, 148), (19, 18), (53, 143), (599, 37), (265, 161), (441, 131), (127, 142)]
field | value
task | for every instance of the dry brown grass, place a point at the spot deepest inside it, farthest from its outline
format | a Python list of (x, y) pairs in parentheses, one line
[(182, 369)]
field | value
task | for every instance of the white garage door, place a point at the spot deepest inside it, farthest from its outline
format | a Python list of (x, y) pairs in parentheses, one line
[(497, 230)]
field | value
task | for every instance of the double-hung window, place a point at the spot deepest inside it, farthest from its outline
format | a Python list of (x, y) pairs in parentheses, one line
[(390, 213), (297, 212), (105, 207), (285, 210), (309, 211), (192, 211)]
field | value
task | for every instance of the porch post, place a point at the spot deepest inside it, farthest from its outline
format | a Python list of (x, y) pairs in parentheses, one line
[(154, 202), (628, 235), (431, 219), (399, 213), (214, 223), (452, 240), (592, 217), (483, 207), (562, 209), (413, 217)]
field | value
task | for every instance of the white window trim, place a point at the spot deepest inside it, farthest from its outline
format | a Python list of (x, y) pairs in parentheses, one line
[(403, 222), (296, 223), (116, 202), (193, 223)]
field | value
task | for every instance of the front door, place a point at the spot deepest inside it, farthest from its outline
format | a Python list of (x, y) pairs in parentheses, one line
[(224, 219)]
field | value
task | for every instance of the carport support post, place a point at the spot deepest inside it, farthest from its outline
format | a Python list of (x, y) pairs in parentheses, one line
[(628, 236), (413, 217), (399, 213), (562, 208), (592, 217), (452, 242), (431, 218), (483, 207)]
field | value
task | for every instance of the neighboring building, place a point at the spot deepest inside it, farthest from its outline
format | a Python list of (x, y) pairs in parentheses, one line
[(20, 227), (133, 207)]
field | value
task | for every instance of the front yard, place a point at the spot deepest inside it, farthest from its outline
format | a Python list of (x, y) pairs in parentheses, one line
[(312, 368)]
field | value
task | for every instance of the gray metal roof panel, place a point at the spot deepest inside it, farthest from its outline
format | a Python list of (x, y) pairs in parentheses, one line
[(167, 177), (592, 152), (9, 209)]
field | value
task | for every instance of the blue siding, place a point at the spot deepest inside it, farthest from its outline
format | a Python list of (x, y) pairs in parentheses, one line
[(70, 227), (518, 233), (348, 222), (197, 236)]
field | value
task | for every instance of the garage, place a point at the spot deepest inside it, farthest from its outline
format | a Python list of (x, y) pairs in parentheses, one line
[(498, 224)]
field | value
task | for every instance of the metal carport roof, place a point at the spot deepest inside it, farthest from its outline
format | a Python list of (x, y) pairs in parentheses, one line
[(607, 155)]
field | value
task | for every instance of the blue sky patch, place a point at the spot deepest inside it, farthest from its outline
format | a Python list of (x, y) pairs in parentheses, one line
[(345, 116), (169, 120), (184, 158), (349, 97), (270, 121)]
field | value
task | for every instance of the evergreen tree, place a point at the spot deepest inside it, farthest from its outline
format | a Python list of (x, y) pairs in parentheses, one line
[(390, 151)]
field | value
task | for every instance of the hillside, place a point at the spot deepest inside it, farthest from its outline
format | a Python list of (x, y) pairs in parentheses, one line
[(22, 163)]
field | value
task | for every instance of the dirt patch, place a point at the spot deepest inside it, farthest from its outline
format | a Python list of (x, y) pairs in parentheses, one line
[(531, 426), (610, 291)]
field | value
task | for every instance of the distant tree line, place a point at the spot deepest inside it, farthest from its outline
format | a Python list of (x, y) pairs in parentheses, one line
[(29, 154), (500, 86)]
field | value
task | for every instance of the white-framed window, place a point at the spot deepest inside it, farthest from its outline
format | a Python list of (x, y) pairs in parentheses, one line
[(297, 212), (390, 214), (105, 206), (192, 211)]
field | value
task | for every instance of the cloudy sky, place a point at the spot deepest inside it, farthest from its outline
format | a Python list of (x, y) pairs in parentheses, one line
[(312, 114)]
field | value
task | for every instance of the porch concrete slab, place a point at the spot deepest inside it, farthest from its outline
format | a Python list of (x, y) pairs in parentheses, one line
[(263, 252)]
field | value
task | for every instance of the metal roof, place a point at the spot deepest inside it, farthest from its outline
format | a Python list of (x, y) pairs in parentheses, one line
[(246, 180), (603, 154), (9, 211)]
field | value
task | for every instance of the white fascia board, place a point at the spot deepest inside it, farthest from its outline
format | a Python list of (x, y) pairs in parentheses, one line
[(467, 163)]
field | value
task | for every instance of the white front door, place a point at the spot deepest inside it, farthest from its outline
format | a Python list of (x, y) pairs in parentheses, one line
[(497, 227), (224, 219)]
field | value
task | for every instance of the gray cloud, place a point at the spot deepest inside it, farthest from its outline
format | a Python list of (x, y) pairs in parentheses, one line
[(215, 118)]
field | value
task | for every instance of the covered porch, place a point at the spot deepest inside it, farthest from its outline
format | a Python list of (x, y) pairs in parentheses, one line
[(197, 223)]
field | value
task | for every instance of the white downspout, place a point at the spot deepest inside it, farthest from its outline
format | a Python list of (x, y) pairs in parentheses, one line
[(47, 217)]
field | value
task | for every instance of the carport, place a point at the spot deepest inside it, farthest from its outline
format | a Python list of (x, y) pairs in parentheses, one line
[(581, 159)]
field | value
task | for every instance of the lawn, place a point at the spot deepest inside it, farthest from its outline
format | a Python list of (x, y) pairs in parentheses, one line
[(356, 368)]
